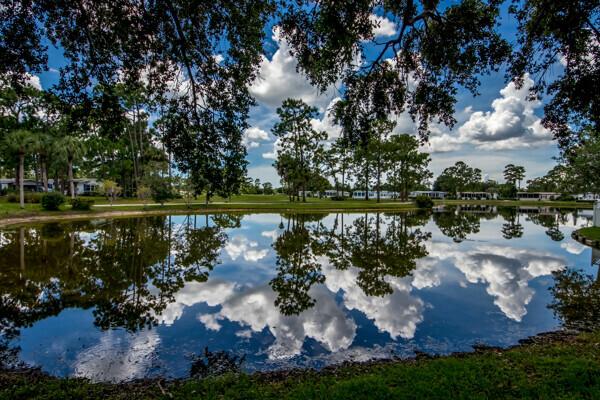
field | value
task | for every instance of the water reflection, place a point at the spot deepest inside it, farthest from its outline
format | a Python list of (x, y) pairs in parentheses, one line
[(456, 224), (512, 228), (576, 299), (126, 271), (297, 266), (123, 299)]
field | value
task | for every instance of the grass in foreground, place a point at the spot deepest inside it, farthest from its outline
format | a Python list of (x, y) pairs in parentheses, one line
[(567, 367)]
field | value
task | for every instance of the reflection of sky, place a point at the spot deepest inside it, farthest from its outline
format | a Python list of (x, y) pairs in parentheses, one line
[(484, 289)]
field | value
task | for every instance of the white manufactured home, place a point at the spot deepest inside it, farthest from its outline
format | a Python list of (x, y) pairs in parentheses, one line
[(384, 194), (588, 196), (476, 196), (432, 194), (83, 186), (336, 193), (539, 196)]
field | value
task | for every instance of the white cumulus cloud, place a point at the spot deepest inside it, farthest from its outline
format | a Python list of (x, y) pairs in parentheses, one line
[(383, 27), (253, 136), (510, 124), (279, 79), (241, 246)]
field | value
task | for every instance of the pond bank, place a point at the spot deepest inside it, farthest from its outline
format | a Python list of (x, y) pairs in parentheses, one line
[(589, 236), (20, 217), (552, 365)]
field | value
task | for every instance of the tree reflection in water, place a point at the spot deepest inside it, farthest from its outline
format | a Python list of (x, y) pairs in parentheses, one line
[(297, 267), (381, 251), (512, 228), (576, 299), (456, 224), (126, 270), (550, 220), (379, 245)]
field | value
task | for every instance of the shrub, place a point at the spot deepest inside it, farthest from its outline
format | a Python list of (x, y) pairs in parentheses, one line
[(161, 191), (33, 198), (28, 197), (423, 201), (12, 197), (52, 201), (565, 197), (80, 204), (338, 198)]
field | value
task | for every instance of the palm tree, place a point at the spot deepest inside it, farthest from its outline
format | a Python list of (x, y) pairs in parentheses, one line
[(20, 142), (70, 148), (42, 143)]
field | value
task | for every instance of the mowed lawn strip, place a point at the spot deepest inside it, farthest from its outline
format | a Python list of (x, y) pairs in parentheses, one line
[(565, 368)]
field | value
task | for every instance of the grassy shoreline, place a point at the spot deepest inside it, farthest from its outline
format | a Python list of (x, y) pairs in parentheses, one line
[(11, 214), (589, 236), (555, 365), (591, 233)]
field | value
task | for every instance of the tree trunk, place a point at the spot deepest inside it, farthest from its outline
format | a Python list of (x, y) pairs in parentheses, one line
[(304, 192), (71, 183), (343, 181), (21, 177), (367, 181), (44, 175), (37, 169), (17, 175), (378, 182)]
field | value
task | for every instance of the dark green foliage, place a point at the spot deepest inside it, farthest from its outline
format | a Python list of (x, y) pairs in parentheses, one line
[(458, 178), (81, 204), (457, 225), (507, 191), (407, 165), (126, 253), (514, 174), (203, 102), (565, 197), (30, 198), (161, 190), (301, 147), (12, 197), (567, 32), (576, 299), (423, 201), (297, 267), (52, 201), (437, 48)]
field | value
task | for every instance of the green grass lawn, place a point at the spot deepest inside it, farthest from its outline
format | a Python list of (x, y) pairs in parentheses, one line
[(546, 369), (592, 233), (258, 203)]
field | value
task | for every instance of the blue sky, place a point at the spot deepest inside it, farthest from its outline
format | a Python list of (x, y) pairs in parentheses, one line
[(498, 127)]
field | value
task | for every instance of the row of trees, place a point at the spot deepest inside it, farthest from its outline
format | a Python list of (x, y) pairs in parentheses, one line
[(385, 161), (461, 177), (43, 137), (195, 63), (306, 161), (581, 175)]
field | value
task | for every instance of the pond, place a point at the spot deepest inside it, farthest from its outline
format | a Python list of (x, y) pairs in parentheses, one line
[(121, 299)]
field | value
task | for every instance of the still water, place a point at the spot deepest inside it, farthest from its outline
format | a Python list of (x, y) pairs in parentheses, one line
[(132, 298)]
